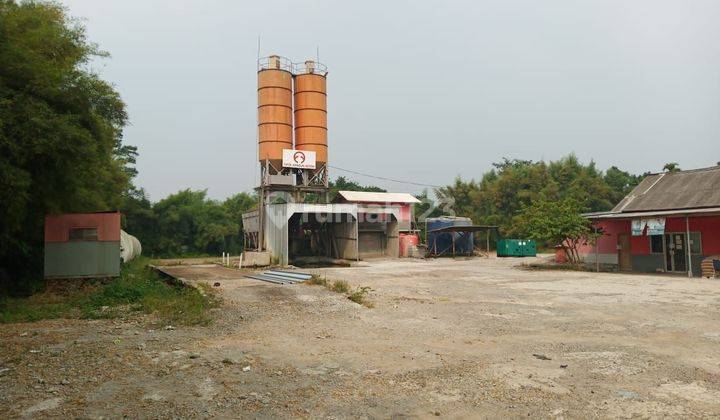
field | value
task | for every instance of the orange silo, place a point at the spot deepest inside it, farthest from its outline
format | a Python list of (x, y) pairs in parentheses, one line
[(275, 129), (311, 110)]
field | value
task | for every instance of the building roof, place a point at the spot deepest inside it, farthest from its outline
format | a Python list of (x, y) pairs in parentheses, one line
[(670, 193), (376, 197), (709, 211)]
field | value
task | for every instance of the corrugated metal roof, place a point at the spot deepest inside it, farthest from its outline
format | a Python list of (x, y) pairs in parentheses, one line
[(710, 211), (699, 188), (377, 197)]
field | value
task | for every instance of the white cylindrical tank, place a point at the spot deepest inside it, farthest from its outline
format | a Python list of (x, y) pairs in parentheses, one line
[(129, 247)]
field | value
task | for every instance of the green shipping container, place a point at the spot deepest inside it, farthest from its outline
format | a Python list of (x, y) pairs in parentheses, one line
[(516, 248)]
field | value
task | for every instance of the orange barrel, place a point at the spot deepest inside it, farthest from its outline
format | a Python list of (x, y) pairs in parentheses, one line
[(407, 243), (275, 129), (311, 113)]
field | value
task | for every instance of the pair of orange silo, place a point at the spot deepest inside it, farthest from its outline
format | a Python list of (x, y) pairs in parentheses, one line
[(278, 103)]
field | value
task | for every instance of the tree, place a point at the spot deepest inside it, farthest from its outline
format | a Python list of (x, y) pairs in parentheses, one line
[(513, 185), (60, 133), (671, 167), (620, 183), (139, 219), (558, 222), (187, 223), (343, 184), (425, 208), (458, 198)]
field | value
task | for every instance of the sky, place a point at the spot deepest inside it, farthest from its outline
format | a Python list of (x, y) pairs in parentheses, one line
[(418, 91)]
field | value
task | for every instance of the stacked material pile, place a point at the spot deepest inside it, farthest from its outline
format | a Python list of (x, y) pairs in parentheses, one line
[(711, 267)]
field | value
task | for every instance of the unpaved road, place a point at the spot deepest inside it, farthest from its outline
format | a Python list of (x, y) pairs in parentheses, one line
[(455, 338)]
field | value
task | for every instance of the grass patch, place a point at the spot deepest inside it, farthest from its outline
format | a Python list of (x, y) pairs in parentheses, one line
[(358, 296), (565, 267), (316, 280), (340, 286), (138, 289)]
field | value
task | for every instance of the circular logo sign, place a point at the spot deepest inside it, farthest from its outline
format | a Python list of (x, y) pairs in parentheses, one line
[(299, 157)]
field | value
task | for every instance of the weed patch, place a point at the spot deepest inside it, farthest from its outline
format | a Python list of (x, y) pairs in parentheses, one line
[(359, 296), (564, 267), (340, 286), (138, 289), (316, 280)]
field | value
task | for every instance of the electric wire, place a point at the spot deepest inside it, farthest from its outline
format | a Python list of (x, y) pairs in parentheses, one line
[(384, 178)]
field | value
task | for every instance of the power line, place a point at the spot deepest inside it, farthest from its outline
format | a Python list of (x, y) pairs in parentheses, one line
[(384, 178)]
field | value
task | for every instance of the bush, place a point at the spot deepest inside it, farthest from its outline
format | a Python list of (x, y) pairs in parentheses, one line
[(316, 280), (358, 296), (340, 286), (138, 289)]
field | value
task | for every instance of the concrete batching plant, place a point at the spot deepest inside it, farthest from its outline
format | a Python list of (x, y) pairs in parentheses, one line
[(295, 218)]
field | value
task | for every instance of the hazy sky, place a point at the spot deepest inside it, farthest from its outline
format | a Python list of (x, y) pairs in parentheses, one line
[(420, 91)]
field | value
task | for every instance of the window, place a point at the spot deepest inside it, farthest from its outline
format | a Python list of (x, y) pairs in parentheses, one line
[(695, 243), (83, 234), (656, 244)]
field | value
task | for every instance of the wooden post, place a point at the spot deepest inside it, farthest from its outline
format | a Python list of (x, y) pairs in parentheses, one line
[(357, 237), (687, 245), (597, 250), (487, 242)]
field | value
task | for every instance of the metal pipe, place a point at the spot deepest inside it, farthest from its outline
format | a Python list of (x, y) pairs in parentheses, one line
[(687, 245)]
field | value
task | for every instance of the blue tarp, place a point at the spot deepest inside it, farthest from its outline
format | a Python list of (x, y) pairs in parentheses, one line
[(442, 242)]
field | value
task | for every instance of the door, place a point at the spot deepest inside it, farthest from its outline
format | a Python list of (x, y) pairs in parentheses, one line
[(676, 252), (624, 252), (372, 244)]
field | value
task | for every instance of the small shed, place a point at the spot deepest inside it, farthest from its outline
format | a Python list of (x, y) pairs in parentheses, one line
[(81, 245), (403, 202), (382, 217)]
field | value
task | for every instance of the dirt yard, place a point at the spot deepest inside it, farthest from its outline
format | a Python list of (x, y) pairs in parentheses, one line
[(450, 338)]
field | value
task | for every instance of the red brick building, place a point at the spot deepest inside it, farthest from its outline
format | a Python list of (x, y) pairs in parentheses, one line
[(670, 222)]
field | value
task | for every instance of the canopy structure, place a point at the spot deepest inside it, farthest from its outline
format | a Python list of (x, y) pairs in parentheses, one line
[(458, 233), (472, 228)]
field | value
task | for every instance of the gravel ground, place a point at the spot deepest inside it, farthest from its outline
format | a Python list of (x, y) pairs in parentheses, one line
[(452, 338)]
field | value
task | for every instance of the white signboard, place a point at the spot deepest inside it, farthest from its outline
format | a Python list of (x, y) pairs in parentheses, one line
[(302, 159), (655, 226)]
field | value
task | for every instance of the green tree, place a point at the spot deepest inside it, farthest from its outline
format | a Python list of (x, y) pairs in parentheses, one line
[(234, 207), (513, 185), (620, 183), (139, 218), (426, 207), (60, 132), (557, 222), (343, 184), (671, 167), (457, 198), (188, 223)]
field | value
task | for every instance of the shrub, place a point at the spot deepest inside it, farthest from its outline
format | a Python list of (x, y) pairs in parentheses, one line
[(316, 280), (359, 295), (138, 289), (340, 286)]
